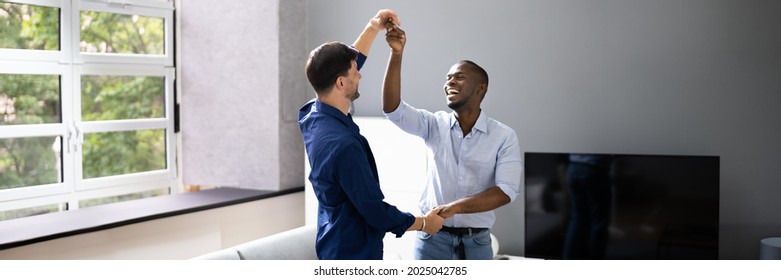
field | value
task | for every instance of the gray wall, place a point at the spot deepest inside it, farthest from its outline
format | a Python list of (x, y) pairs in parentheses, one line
[(241, 88), (623, 76)]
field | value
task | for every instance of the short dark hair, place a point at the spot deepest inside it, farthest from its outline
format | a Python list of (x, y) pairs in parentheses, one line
[(480, 71), (326, 63)]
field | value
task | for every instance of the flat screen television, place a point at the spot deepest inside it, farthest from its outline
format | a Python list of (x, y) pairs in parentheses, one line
[(621, 206)]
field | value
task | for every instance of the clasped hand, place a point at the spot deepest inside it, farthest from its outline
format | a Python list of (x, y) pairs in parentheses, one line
[(432, 221), (395, 36)]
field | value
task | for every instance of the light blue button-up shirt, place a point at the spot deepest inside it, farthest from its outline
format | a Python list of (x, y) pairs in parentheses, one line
[(459, 166)]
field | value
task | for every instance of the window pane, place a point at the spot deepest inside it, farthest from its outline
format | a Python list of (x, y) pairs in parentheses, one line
[(27, 212), (30, 161), (125, 197), (29, 99), (122, 97), (116, 153), (117, 33), (29, 27)]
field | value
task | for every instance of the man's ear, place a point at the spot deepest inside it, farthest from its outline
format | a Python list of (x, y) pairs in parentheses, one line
[(339, 82), (482, 89)]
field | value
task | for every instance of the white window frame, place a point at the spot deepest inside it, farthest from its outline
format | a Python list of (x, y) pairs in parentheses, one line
[(63, 55), (126, 7), (128, 188), (69, 63), (166, 123), (42, 130)]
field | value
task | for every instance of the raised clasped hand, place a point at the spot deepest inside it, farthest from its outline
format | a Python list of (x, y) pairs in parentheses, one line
[(384, 16), (395, 36)]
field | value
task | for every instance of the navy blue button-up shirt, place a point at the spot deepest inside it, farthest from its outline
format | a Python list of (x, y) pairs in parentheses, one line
[(352, 217)]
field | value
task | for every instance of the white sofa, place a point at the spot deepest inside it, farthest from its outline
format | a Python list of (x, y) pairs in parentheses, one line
[(294, 244), (299, 244)]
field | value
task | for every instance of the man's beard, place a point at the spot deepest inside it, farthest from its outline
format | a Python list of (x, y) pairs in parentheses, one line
[(355, 96)]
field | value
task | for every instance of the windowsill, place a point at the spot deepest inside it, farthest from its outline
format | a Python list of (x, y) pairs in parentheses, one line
[(29, 230)]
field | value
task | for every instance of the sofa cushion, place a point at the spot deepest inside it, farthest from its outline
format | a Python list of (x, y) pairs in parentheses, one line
[(294, 244)]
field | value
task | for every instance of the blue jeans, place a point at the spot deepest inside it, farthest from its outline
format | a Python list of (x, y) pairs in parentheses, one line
[(444, 246)]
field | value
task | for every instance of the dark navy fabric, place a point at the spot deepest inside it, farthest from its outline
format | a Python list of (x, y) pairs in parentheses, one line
[(352, 217)]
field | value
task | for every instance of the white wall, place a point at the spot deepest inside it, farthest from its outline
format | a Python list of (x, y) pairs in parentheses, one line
[(604, 76), (173, 238)]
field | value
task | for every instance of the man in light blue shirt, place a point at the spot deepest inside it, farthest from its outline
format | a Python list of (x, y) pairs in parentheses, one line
[(474, 162)]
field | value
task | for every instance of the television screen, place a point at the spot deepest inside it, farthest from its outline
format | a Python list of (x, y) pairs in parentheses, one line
[(621, 206)]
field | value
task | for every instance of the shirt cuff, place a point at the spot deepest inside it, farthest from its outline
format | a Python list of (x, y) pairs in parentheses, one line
[(401, 230), (360, 58), (510, 191)]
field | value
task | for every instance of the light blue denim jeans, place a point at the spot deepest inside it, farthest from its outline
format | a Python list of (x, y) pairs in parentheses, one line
[(444, 246)]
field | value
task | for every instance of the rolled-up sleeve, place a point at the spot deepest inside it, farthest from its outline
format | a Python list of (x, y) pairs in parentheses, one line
[(509, 167), (360, 58)]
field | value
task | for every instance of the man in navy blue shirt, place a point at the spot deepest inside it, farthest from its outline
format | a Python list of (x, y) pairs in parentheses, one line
[(352, 217)]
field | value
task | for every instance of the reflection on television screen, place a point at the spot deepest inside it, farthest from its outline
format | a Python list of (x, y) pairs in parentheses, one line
[(604, 206)]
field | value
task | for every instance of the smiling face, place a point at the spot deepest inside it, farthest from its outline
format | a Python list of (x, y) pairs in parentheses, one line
[(464, 87)]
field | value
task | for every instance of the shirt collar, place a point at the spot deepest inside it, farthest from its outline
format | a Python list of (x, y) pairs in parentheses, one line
[(481, 124), (337, 114)]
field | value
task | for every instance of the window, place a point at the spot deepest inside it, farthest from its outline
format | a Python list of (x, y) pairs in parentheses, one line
[(86, 103)]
